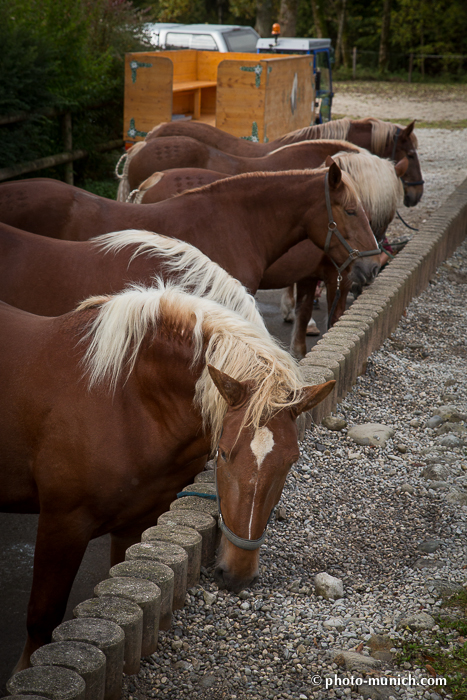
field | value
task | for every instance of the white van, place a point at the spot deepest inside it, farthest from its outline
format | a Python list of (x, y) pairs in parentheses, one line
[(205, 37)]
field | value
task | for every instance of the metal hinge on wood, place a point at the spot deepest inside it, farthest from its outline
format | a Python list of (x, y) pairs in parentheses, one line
[(133, 131), (257, 70), (134, 65)]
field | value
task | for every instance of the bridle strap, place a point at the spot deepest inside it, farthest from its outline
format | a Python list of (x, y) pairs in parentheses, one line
[(333, 230), (240, 542)]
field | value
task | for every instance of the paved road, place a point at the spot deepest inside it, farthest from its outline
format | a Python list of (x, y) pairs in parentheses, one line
[(18, 534)]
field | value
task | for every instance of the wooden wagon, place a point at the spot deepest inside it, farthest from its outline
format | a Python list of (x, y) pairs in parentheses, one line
[(251, 96)]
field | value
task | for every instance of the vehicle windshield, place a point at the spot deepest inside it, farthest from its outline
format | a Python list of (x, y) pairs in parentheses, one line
[(241, 40)]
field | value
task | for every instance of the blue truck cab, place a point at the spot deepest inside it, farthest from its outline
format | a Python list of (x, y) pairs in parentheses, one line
[(322, 53)]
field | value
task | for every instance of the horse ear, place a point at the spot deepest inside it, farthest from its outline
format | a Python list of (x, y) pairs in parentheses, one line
[(401, 167), (329, 161), (233, 391), (312, 396), (335, 175), (408, 129)]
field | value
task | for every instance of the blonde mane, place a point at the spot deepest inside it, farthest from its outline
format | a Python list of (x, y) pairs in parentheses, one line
[(193, 270), (338, 129), (216, 335), (381, 132), (376, 181), (344, 145)]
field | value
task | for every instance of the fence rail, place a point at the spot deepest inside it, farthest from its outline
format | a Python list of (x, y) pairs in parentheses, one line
[(67, 157)]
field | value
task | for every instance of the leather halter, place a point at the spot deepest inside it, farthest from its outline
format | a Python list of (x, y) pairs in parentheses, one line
[(241, 542), (354, 253), (406, 183)]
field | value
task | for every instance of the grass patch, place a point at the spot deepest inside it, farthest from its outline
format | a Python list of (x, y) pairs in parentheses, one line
[(103, 188), (445, 651)]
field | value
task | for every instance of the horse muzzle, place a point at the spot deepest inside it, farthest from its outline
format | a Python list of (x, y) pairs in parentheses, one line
[(412, 193), (364, 271), (236, 568)]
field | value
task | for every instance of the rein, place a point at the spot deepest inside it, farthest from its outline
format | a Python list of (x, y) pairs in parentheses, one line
[(353, 252), (240, 542)]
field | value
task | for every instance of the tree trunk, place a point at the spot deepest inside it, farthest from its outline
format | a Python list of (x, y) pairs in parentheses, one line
[(264, 17), (384, 43), (340, 55), (319, 19), (288, 17)]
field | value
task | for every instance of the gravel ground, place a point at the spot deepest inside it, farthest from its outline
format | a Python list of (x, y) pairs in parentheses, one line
[(398, 100), (389, 522)]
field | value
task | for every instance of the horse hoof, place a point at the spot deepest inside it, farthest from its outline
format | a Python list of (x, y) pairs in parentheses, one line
[(312, 329)]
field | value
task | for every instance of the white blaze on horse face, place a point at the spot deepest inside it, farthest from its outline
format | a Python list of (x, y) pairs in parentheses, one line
[(262, 444)]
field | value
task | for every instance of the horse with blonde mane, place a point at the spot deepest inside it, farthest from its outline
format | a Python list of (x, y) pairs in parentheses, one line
[(243, 223), (382, 138), (147, 157), (49, 277), (111, 409), (380, 189)]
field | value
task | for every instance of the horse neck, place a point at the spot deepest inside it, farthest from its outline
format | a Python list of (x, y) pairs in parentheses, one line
[(360, 133), (308, 134), (165, 383), (254, 219)]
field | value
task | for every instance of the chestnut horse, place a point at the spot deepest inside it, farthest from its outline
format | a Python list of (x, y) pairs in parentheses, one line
[(110, 410), (243, 223), (384, 139), (380, 190), (49, 277), (147, 157)]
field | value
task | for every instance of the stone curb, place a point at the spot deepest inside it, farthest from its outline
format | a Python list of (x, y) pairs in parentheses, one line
[(376, 313)]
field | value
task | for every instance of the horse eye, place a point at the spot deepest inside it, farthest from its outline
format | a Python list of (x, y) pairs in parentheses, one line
[(351, 212), (223, 455)]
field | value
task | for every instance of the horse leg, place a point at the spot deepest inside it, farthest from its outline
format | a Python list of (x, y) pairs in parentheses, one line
[(60, 546), (303, 310), (287, 304)]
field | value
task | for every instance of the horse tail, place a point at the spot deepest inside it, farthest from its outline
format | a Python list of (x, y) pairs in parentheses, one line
[(137, 196), (124, 186), (151, 133)]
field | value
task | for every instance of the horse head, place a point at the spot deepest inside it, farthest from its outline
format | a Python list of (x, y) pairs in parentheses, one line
[(405, 145), (252, 465), (350, 243)]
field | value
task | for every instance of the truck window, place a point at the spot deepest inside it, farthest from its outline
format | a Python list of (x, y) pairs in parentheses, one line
[(241, 41), (184, 40)]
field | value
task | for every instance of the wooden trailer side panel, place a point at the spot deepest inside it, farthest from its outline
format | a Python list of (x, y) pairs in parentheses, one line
[(241, 98), (289, 94), (148, 93)]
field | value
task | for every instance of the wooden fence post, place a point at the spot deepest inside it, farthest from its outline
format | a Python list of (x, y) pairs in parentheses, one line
[(410, 67)]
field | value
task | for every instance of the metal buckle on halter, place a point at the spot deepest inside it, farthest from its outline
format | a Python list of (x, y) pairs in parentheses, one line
[(332, 226), (354, 254)]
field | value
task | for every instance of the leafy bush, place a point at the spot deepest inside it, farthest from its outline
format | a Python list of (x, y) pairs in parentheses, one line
[(67, 55)]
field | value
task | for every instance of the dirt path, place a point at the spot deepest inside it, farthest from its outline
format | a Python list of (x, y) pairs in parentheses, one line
[(426, 103)]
